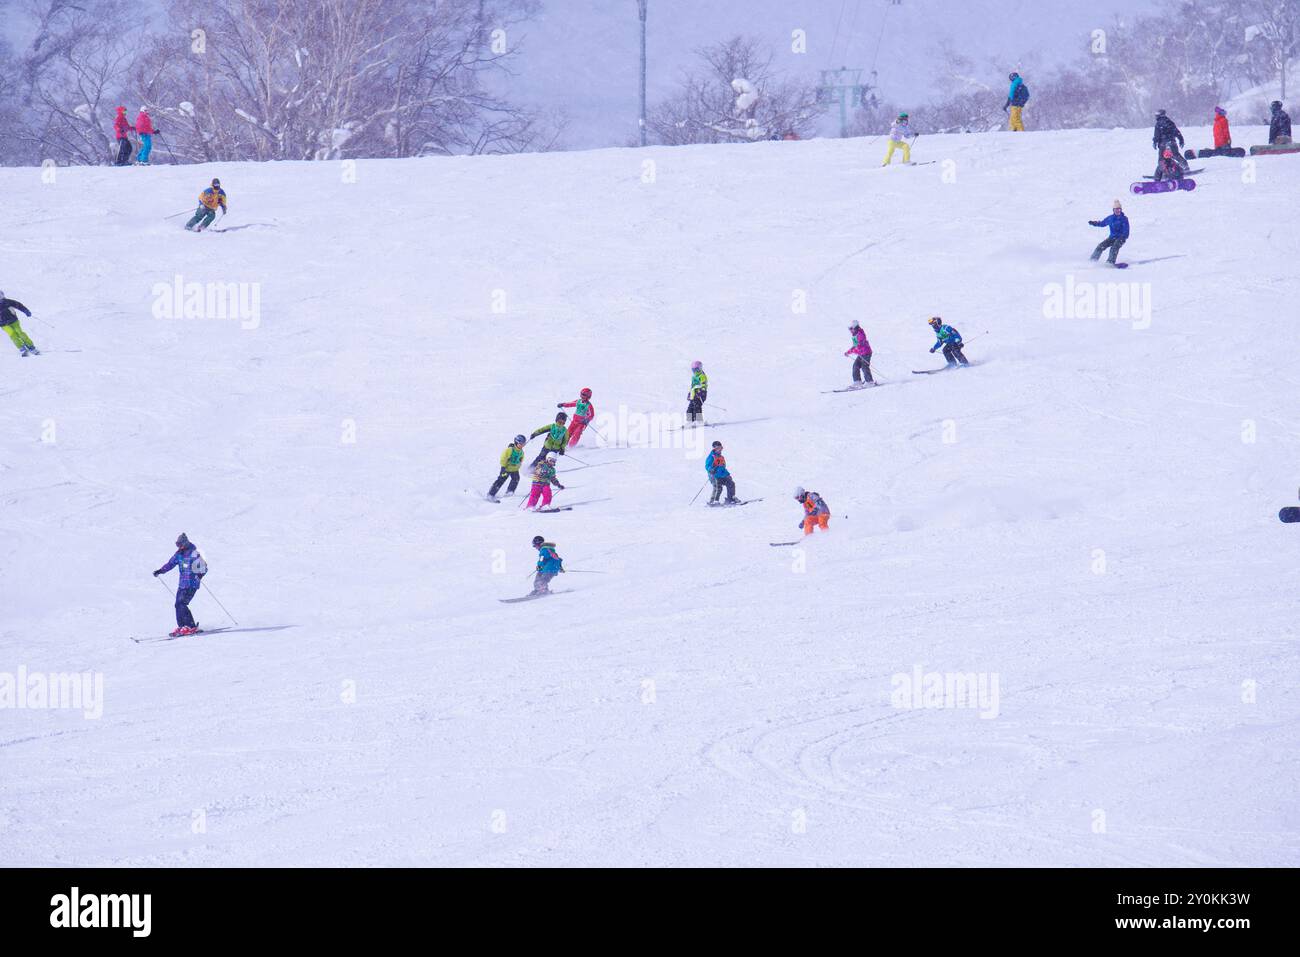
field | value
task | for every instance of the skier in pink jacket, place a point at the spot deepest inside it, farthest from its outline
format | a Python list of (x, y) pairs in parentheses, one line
[(861, 352), (145, 128)]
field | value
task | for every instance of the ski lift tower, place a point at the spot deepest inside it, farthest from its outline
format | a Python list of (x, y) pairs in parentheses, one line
[(843, 86)]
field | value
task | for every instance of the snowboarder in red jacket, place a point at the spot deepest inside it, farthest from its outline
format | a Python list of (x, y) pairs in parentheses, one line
[(122, 130), (583, 413)]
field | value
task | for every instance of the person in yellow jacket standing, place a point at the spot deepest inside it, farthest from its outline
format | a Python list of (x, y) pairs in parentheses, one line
[(511, 459), (210, 200), (899, 131)]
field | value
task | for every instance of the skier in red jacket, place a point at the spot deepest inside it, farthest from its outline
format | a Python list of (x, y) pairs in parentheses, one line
[(122, 130), (583, 413)]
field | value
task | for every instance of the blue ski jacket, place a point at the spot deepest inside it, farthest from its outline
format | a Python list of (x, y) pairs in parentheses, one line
[(947, 335), (1018, 94), (1117, 222), (186, 559), (716, 465), (548, 562)]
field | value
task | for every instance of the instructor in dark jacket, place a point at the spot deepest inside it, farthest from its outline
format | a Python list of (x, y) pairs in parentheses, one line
[(1167, 136)]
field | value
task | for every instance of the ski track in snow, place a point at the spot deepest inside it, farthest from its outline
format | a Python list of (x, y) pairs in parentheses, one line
[(709, 699)]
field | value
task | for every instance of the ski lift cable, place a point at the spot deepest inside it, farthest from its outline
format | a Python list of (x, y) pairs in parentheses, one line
[(881, 36), (836, 38)]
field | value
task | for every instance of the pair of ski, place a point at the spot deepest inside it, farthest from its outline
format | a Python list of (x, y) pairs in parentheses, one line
[(850, 388), (954, 365), (156, 638), (534, 596), (734, 503)]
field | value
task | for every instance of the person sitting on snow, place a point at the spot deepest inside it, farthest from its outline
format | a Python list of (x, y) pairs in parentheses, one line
[(1279, 125)]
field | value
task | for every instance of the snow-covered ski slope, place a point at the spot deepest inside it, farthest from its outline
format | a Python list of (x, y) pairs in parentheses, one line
[(1084, 520)]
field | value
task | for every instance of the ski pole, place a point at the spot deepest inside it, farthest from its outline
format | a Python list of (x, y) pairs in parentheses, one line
[(169, 147), (583, 571), (576, 459), (221, 606), (174, 215), (697, 494)]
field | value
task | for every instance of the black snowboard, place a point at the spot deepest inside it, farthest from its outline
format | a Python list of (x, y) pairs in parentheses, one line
[(1235, 151), (1290, 514)]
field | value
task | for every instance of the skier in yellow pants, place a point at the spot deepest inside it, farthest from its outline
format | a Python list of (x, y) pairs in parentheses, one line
[(1017, 97), (9, 322), (898, 134)]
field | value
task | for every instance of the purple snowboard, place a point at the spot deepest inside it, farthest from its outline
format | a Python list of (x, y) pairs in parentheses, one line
[(1163, 186)]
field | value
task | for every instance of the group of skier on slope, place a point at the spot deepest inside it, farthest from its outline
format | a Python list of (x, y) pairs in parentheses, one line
[(559, 436)]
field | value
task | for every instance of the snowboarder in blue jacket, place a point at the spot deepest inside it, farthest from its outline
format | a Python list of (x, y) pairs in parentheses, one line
[(949, 339), (549, 564), (192, 569), (715, 463), (1118, 224)]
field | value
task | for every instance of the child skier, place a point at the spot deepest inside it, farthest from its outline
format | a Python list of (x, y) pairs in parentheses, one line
[(192, 569), (1169, 167), (144, 128), (1222, 135), (13, 328), (209, 201), (543, 479), (861, 352), (699, 392), (1017, 97), (950, 339), (1118, 224), (816, 513), (556, 438), (899, 132), (715, 463), (510, 461), (122, 131), (583, 413), (549, 564)]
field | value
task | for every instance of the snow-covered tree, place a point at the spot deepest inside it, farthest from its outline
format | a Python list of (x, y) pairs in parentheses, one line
[(735, 95)]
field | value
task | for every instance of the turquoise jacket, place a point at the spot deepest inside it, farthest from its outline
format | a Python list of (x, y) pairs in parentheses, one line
[(548, 562)]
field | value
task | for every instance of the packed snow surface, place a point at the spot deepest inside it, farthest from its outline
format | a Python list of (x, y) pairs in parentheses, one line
[(1083, 522)]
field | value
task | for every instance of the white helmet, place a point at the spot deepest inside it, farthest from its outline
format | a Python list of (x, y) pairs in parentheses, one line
[(799, 492), (144, 109), (550, 458), (853, 324)]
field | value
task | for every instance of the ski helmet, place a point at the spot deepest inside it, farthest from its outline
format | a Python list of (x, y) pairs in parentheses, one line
[(550, 458), (1160, 112), (902, 116), (799, 493), (561, 417), (215, 181), (853, 324), (144, 109), (717, 445), (1012, 75), (585, 393), (538, 540), (521, 440), (1275, 106), (697, 365), (934, 321)]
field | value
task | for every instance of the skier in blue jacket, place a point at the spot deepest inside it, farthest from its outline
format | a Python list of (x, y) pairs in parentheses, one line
[(192, 569), (549, 564), (715, 463), (1118, 224), (950, 340)]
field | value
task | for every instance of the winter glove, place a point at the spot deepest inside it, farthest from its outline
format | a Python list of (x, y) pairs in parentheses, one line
[(561, 451), (157, 573), (932, 348), (559, 405), (559, 486), (1093, 222)]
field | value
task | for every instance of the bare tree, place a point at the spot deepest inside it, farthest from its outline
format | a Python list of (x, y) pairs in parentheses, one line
[(1273, 31), (76, 67), (736, 95)]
